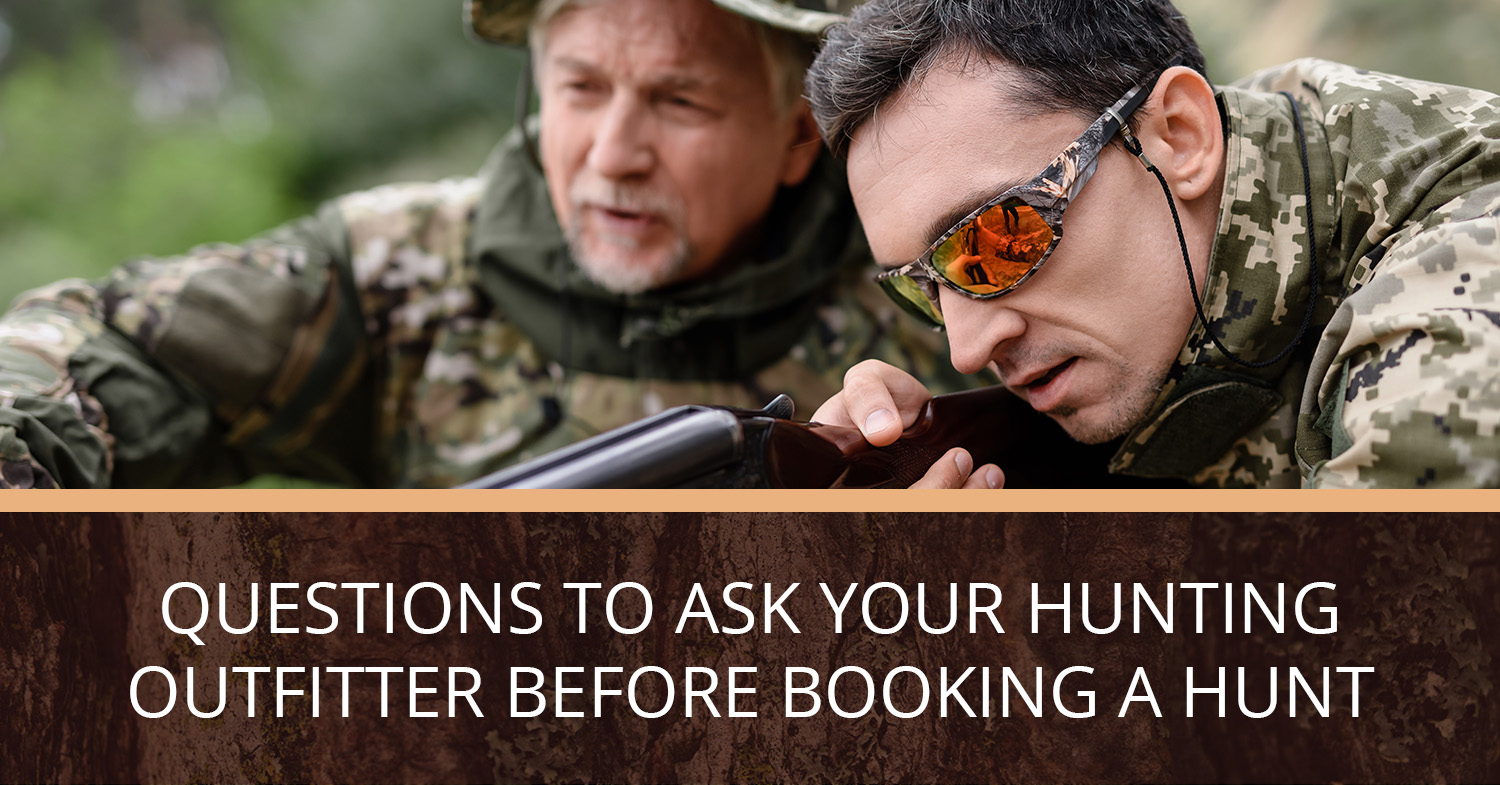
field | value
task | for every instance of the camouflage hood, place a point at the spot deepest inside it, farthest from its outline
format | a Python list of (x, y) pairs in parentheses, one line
[(724, 327)]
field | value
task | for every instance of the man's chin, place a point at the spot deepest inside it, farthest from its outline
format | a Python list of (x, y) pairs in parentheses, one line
[(623, 278), (1090, 429), (629, 270)]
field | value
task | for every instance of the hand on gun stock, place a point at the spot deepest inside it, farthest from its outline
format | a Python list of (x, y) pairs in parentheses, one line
[(886, 404), (716, 447)]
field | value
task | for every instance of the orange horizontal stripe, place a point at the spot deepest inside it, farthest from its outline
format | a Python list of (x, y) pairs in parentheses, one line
[(750, 501)]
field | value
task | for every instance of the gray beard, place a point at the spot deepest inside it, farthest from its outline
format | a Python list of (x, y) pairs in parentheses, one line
[(615, 276)]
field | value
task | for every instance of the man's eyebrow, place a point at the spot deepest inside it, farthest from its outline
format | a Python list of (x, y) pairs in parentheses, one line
[(682, 82), (574, 64), (667, 81), (961, 210)]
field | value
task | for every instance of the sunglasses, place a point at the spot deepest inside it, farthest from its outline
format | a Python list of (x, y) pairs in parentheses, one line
[(1004, 242)]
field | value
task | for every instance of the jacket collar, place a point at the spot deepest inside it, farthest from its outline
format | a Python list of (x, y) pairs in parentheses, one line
[(723, 328), (1256, 291)]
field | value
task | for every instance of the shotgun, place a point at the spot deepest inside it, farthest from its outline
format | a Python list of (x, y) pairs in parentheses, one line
[(721, 447)]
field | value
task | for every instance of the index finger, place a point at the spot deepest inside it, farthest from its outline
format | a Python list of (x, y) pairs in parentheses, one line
[(880, 400)]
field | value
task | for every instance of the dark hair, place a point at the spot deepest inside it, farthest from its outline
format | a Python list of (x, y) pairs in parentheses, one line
[(1080, 55)]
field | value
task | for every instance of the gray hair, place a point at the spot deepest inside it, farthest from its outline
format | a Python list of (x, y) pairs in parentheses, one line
[(787, 54), (1078, 56)]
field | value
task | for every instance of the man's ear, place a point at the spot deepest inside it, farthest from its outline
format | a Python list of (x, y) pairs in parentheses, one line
[(1182, 134), (803, 145)]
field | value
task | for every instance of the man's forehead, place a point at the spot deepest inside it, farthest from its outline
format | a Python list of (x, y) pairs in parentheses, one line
[(953, 104), (937, 150), (658, 34)]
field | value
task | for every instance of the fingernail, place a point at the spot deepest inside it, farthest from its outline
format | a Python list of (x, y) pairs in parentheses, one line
[(992, 477), (965, 463), (879, 420)]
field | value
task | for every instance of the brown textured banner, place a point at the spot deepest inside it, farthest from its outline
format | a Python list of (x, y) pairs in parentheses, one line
[(740, 647)]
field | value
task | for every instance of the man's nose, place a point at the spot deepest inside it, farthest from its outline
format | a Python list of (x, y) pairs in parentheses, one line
[(977, 329), (622, 145)]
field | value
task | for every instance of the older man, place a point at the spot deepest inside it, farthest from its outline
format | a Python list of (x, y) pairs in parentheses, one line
[(688, 243), (1291, 280)]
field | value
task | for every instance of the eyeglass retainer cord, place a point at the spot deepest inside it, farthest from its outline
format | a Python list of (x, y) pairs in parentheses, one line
[(1133, 145)]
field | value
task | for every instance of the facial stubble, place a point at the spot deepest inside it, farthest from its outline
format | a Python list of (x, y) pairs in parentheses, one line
[(1130, 398)]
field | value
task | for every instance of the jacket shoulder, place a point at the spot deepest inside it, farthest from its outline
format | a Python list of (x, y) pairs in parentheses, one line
[(403, 234), (1410, 400), (1329, 78)]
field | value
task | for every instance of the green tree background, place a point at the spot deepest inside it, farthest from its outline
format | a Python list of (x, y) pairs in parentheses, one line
[(139, 127)]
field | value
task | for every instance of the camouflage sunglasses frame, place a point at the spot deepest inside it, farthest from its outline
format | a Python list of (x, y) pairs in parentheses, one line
[(1049, 194)]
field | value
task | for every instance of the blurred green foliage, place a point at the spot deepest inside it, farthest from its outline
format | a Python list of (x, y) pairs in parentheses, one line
[(133, 127), (1452, 41), (136, 127)]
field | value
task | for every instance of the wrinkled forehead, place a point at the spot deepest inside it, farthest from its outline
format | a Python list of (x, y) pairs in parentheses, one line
[(672, 34)]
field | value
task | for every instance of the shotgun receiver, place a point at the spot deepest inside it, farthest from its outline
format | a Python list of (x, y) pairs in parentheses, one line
[(719, 447)]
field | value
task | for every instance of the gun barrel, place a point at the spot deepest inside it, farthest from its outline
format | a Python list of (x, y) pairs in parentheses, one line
[(661, 451)]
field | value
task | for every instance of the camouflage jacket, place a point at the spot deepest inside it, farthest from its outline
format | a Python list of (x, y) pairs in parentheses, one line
[(421, 335), (1397, 382)]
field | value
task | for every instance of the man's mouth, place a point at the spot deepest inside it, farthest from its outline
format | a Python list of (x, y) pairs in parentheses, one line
[(625, 222), (1046, 378), (1046, 391)]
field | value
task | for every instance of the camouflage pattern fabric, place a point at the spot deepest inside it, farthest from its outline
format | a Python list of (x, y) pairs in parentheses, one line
[(1398, 382), (507, 21), (376, 344)]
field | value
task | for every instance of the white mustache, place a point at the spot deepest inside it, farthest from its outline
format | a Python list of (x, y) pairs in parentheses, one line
[(625, 198)]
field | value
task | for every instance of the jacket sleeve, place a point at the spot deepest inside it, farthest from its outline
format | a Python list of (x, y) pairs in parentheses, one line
[(1415, 402), (202, 369)]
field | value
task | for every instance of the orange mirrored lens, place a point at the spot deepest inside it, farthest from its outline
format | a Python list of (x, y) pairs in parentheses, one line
[(995, 249)]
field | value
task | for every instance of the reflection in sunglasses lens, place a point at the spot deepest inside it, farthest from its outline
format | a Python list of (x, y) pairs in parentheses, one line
[(995, 249), (909, 294)]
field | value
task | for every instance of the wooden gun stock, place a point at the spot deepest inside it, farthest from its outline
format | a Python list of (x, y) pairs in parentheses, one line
[(716, 447)]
